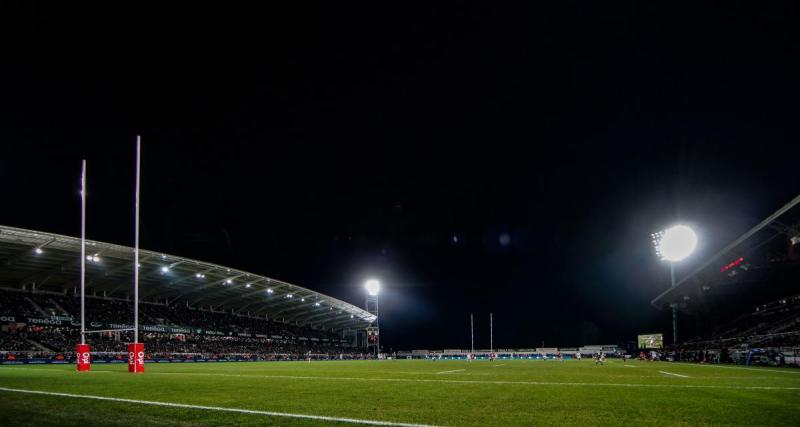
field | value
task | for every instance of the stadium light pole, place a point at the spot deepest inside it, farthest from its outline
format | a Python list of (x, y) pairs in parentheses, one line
[(373, 288), (674, 245)]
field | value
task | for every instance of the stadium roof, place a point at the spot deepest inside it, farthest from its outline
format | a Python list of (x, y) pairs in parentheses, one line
[(750, 256), (164, 277)]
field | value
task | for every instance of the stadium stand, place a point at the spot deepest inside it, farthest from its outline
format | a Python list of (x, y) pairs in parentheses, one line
[(188, 308), (197, 332), (743, 301)]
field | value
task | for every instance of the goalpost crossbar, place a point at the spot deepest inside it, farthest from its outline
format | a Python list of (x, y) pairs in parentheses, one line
[(99, 331)]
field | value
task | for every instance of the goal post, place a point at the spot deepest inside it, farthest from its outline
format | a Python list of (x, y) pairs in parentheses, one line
[(83, 355), (135, 349)]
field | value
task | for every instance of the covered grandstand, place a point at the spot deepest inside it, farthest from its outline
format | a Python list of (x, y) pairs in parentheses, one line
[(179, 297), (744, 297)]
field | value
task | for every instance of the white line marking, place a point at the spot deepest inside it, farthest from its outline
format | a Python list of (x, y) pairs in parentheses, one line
[(218, 408), (450, 372), (677, 375), (779, 370), (415, 380), (502, 364), (44, 369), (630, 366)]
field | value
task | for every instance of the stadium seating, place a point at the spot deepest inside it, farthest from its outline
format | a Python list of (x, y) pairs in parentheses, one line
[(774, 326), (242, 336)]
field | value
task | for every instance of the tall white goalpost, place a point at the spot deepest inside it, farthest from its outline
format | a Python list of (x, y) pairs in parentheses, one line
[(135, 349), (82, 353), (471, 340), (83, 251)]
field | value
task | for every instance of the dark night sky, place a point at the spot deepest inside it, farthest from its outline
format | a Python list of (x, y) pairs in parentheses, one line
[(327, 144)]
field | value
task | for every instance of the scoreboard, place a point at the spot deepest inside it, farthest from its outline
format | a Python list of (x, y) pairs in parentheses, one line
[(651, 341)]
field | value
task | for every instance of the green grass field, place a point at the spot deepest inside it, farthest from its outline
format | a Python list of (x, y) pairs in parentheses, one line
[(453, 393)]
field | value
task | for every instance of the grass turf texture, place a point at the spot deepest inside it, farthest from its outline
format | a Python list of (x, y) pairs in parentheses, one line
[(455, 393)]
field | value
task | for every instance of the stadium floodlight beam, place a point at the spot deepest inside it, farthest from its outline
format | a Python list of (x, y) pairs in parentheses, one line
[(373, 287), (674, 245)]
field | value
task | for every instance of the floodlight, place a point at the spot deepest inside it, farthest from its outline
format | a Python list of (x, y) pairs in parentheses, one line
[(96, 258), (302, 300), (675, 243), (247, 285), (38, 251), (164, 269), (269, 290), (289, 295), (373, 287), (316, 304), (229, 281)]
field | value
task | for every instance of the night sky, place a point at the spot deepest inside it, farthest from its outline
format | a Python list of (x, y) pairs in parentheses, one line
[(475, 159)]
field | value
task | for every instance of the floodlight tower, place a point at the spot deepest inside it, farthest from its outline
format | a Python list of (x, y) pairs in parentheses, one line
[(373, 288), (674, 244)]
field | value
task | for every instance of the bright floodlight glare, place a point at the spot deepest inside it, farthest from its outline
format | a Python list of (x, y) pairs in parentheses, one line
[(373, 287), (38, 251), (677, 243), (164, 269), (269, 290)]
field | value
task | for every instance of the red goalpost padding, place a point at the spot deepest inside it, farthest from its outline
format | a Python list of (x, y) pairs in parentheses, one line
[(83, 357), (136, 357)]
